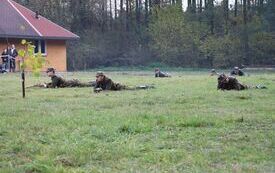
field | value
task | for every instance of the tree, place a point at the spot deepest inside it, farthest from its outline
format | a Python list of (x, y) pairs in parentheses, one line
[(173, 39), (245, 34), (29, 60)]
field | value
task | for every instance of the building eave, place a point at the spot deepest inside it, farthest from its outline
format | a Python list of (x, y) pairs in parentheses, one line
[(37, 37)]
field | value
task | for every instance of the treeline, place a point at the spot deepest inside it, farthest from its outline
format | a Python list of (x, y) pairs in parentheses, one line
[(143, 32)]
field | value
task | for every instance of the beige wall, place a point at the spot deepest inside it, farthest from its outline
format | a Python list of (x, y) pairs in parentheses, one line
[(56, 53)]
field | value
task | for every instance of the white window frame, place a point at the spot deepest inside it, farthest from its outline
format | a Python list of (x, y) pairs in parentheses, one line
[(39, 47)]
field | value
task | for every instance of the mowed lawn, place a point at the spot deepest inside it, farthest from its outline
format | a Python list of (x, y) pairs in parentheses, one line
[(183, 125)]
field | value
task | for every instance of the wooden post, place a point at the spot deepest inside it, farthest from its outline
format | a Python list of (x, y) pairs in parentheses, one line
[(23, 83)]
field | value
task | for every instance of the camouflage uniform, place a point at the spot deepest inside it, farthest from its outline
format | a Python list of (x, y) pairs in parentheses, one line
[(229, 83), (237, 71), (108, 84), (59, 82), (104, 83), (161, 74)]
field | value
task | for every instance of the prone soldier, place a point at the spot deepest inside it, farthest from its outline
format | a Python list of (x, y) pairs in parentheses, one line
[(229, 83), (59, 82), (159, 73), (104, 83), (237, 71)]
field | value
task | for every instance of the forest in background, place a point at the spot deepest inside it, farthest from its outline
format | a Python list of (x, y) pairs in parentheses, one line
[(162, 32)]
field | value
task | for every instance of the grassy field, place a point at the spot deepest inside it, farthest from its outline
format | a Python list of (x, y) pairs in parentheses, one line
[(183, 125)]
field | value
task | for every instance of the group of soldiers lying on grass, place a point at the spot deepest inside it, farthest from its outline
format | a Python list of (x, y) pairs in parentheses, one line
[(103, 83), (230, 82)]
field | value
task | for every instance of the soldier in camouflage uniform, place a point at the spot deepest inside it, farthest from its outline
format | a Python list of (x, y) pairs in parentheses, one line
[(59, 82), (237, 71), (161, 74), (229, 83), (105, 83)]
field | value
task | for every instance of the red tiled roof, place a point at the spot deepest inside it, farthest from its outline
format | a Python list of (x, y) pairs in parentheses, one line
[(16, 21)]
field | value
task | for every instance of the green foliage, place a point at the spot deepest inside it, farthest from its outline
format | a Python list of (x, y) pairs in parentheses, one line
[(261, 43), (30, 60), (173, 38), (222, 50)]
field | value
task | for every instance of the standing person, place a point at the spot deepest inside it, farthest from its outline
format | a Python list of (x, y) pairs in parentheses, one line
[(13, 53), (5, 59)]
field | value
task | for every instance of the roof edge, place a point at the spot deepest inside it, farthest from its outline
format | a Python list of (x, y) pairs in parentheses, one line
[(18, 11), (11, 1), (39, 38)]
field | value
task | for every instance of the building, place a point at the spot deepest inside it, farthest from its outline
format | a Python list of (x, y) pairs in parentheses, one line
[(17, 23)]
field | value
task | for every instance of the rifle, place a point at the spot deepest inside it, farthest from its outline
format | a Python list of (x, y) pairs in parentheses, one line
[(38, 86)]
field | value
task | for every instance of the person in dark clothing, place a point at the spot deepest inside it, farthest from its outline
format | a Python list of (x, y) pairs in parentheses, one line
[(13, 53), (159, 73), (59, 82), (229, 83), (5, 60), (237, 71), (104, 83)]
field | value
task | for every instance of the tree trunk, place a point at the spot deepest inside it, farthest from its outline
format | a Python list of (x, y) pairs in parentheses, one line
[(200, 10), (146, 12), (121, 14), (245, 34), (111, 14), (137, 13), (115, 9), (127, 14), (189, 5), (236, 8), (150, 6), (211, 9), (194, 6), (226, 15)]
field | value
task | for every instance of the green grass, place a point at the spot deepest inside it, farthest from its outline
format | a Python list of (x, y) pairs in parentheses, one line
[(183, 125)]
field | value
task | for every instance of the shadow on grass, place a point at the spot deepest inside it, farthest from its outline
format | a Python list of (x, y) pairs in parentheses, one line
[(244, 97)]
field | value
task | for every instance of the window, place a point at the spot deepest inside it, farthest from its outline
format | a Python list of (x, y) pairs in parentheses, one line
[(40, 46)]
